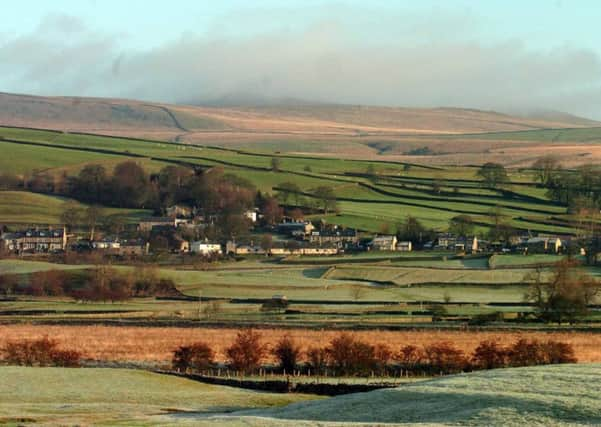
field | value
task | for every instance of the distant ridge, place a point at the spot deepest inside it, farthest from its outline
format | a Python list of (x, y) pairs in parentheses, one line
[(249, 114)]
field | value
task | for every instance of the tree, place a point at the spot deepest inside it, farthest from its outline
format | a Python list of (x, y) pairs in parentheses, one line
[(565, 296), (276, 164), (129, 185), (71, 214), (90, 185), (326, 197), (195, 357), (493, 174), (91, 217), (287, 352), (545, 168), (267, 242), (411, 230), (246, 352), (272, 212), (461, 225), (288, 191)]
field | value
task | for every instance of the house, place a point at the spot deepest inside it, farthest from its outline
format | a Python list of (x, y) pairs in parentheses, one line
[(204, 247), (179, 211), (464, 244), (384, 243), (446, 241), (404, 246), (347, 235), (114, 246), (251, 214), (106, 244), (148, 224), (296, 228), (134, 247), (180, 245), (35, 241)]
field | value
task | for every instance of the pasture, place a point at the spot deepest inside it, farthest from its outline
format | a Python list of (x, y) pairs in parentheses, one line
[(390, 192)]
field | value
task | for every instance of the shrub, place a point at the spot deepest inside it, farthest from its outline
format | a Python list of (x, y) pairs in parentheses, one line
[(446, 358), (317, 359), (195, 357), (350, 356), (489, 355), (410, 356), (247, 351), (40, 352), (286, 352), (526, 353), (383, 356), (558, 352)]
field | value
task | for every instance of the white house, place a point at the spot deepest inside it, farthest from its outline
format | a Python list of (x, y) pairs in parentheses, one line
[(404, 246), (384, 243), (205, 248)]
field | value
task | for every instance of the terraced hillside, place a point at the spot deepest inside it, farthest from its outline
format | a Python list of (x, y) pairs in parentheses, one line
[(371, 194)]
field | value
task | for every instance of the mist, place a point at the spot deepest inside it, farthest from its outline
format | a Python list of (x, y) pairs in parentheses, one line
[(327, 61)]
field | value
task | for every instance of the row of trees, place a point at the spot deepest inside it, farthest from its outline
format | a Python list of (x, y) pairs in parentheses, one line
[(99, 284), (347, 355)]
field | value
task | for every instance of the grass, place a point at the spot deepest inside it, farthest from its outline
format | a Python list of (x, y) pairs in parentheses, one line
[(366, 208), (549, 395), (23, 207), (63, 396)]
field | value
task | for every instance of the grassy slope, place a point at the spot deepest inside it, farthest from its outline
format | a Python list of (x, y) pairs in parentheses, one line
[(89, 396), (550, 395), (362, 207), (23, 207)]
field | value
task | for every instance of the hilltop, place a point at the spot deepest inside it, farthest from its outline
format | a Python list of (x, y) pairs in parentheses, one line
[(435, 136)]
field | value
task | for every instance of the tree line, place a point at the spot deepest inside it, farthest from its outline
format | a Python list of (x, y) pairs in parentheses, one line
[(346, 355)]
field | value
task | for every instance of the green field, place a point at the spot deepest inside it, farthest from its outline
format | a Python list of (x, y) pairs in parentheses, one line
[(86, 396), (22, 207), (364, 203)]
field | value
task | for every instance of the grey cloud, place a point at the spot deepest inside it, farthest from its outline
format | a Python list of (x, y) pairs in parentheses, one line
[(326, 62)]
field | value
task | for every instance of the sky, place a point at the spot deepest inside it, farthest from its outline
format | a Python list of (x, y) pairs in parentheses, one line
[(511, 56)]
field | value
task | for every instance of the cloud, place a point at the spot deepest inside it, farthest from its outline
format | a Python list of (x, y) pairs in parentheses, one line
[(326, 61)]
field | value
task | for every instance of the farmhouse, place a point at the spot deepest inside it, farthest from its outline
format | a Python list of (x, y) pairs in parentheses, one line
[(296, 228), (35, 241), (204, 247), (384, 243)]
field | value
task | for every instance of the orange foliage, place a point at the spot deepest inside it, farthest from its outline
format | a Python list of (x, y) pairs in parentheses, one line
[(155, 344)]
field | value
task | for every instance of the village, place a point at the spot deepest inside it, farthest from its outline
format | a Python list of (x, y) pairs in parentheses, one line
[(174, 234)]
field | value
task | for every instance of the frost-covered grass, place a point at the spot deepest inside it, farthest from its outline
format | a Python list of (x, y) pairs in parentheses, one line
[(63, 396), (549, 395)]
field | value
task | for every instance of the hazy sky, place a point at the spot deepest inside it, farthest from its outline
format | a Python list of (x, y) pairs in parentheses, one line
[(506, 55)]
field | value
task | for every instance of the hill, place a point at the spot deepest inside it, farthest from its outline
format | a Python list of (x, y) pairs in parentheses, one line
[(128, 117), (63, 396), (550, 395)]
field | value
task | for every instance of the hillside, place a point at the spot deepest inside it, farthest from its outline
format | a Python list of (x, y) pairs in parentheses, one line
[(70, 396), (551, 395), (130, 116)]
